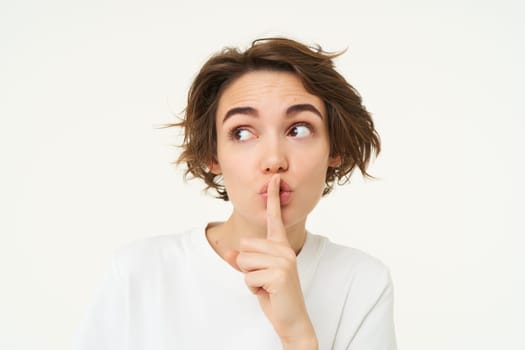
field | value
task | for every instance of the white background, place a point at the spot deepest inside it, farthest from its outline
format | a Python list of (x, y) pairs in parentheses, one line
[(83, 85)]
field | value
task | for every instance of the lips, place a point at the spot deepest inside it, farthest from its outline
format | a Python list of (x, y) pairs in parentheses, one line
[(283, 187), (285, 192)]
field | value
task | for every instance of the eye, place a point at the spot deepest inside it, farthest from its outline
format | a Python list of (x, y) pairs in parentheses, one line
[(241, 134), (300, 130)]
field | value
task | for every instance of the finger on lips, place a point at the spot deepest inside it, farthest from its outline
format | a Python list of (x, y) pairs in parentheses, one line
[(275, 227), (256, 257)]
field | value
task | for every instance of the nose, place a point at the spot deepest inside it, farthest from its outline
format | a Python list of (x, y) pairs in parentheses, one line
[(274, 159)]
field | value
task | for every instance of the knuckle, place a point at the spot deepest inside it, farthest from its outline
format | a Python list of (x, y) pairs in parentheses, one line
[(241, 260), (289, 255), (280, 276), (242, 242)]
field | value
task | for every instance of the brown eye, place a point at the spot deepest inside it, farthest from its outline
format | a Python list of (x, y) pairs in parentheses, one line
[(300, 131), (242, 134)]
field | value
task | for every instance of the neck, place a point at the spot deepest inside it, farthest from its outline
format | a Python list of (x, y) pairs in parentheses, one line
[(225, 236)]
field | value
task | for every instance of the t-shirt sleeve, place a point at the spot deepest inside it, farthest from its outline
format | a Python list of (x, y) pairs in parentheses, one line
[(376, 331), (104, 325)]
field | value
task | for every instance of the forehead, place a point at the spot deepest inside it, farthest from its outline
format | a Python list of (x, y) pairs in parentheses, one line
[(263, 89)]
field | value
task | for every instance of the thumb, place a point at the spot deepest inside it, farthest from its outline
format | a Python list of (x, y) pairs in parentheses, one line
[(231, 258)]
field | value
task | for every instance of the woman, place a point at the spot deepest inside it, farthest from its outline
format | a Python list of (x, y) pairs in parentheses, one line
[(270, 129)]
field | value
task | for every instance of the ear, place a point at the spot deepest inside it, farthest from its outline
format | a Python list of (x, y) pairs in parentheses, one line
[(214, 167), (334, 161)]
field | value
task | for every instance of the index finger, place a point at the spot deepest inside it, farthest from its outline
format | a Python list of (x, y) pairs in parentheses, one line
[(274, 221)]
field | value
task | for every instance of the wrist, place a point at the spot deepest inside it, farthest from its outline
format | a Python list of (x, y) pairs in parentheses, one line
[(306, 340), (304, 343)]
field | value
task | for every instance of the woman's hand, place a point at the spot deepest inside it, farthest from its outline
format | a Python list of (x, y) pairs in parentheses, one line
[(270, 269)]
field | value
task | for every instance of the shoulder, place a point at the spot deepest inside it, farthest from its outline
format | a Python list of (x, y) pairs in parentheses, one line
[(349, 258), (355, 267), (144, 255), (356, 258)]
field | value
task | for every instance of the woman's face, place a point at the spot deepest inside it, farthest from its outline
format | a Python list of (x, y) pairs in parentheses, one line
[(268, 123)]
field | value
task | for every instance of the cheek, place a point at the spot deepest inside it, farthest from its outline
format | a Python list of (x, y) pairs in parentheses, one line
[(314, 159), (235, 171), (234, 160), (313, 169)]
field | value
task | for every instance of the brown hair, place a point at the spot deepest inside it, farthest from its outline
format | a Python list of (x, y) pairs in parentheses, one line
[(350, 127)]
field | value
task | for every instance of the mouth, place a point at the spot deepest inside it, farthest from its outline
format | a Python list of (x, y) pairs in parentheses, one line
[(285, 193), (283, 187)]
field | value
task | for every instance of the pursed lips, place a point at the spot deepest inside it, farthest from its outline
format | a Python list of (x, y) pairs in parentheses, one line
[(285, 193), (283, 187)]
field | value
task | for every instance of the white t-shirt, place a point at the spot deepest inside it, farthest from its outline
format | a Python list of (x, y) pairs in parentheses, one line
[(175, 292)]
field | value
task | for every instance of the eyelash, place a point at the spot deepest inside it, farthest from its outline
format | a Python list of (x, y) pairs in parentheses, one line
[(232, 134), (307, 125)]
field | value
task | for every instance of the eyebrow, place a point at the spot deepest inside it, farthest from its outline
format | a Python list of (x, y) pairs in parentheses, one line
[(250, 111)]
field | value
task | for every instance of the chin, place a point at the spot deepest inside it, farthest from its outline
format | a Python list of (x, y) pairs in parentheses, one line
[(292, 218)]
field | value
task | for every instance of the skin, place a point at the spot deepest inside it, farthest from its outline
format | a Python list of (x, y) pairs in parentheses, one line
[(271, 132)]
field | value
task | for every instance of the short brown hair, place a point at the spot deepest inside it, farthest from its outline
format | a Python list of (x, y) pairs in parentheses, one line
[(351, 131)]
